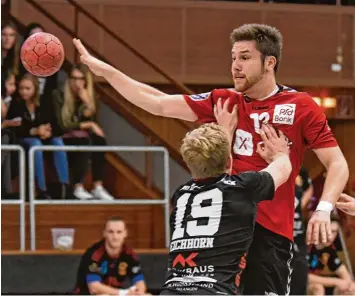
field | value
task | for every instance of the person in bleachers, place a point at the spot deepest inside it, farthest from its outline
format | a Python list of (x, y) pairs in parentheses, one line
[(76, 108), (36, 129), (8, 88), (109, 263), (323, 256), (6, 186), (303, 193), (10, 57)]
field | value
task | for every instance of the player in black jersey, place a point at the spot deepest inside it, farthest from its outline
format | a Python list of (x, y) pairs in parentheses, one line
[(213, 214), (303, 193)]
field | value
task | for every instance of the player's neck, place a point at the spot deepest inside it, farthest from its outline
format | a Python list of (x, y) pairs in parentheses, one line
[(113, 252), (263, 89)]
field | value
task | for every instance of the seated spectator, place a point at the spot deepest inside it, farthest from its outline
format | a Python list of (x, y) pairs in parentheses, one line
[(299, 264), (8, 88), (36, 130), (107, 264), (9, 48), (6, 186), (76, 109), (322, 256)]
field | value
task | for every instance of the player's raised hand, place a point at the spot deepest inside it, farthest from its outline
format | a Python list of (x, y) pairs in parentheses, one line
[(95, 65), (346, 203), (272, 143), (229, 120)]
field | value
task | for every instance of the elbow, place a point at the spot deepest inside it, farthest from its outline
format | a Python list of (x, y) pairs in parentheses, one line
[(340, 166)]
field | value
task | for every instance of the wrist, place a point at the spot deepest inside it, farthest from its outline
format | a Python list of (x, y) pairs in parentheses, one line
[(325, 206)]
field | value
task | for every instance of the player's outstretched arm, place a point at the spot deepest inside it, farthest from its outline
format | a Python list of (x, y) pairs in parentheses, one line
[(144, 96), (346, 203), (337, 176), (274, 150)]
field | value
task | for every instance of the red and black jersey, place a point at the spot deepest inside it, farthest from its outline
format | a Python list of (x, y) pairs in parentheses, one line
[(292, 112), (97, 266)]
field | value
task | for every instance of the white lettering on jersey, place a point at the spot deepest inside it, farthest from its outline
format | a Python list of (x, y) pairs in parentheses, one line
[(200, 97), (243, 144), (284, 114), (192, 243), (263, 117)]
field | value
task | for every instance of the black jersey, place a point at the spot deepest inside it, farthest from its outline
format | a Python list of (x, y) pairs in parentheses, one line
[(212, 225)]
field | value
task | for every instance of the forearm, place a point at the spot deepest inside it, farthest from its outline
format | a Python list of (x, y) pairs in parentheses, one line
[(99, 289), (141, 288), (343, 273), (280, 169), (326, 281), (337, 177), (137, 93)]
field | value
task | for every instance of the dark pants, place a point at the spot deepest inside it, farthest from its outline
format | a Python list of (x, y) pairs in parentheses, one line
[(268, 269), (79, 161)]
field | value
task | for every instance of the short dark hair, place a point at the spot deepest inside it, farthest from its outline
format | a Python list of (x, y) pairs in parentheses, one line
[(268, 39)]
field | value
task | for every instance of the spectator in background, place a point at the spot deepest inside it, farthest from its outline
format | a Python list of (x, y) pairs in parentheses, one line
[(303, 193), (322, 256), (36, 130), (6, 186), (76, 109), (8, 88), (107, 264), (9, 48)]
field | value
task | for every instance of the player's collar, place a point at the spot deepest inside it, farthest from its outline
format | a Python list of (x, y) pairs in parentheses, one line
[(276, 90)]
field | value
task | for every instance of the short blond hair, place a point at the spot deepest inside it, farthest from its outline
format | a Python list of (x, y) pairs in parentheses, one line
[(206, 150)]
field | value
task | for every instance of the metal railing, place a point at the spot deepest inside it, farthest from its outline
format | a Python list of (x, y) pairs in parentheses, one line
[(34, 202), (21, 201)]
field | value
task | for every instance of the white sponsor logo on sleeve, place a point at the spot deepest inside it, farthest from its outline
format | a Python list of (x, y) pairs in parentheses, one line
[(200, 97)]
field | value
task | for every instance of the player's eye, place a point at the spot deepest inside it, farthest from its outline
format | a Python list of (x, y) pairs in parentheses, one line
[(233, 58), (244, 57)]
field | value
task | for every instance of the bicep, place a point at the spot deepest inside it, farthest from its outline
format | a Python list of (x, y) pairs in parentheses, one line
[(175, 106)]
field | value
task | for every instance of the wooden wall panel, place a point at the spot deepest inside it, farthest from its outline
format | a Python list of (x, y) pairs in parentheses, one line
[(88, 221), (190, 39)]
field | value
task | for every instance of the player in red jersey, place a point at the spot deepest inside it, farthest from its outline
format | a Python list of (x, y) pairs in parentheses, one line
[(256, 54)]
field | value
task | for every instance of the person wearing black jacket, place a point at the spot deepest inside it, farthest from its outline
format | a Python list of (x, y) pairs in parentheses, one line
[(38, 127)]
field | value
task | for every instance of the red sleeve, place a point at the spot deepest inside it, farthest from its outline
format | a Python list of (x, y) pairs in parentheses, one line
[(202, 104), (316, 130)]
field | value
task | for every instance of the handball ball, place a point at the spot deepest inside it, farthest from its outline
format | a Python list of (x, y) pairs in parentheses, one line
[(42, 54)]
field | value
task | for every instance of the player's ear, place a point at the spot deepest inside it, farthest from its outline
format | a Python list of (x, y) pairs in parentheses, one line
[(270, 63)]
